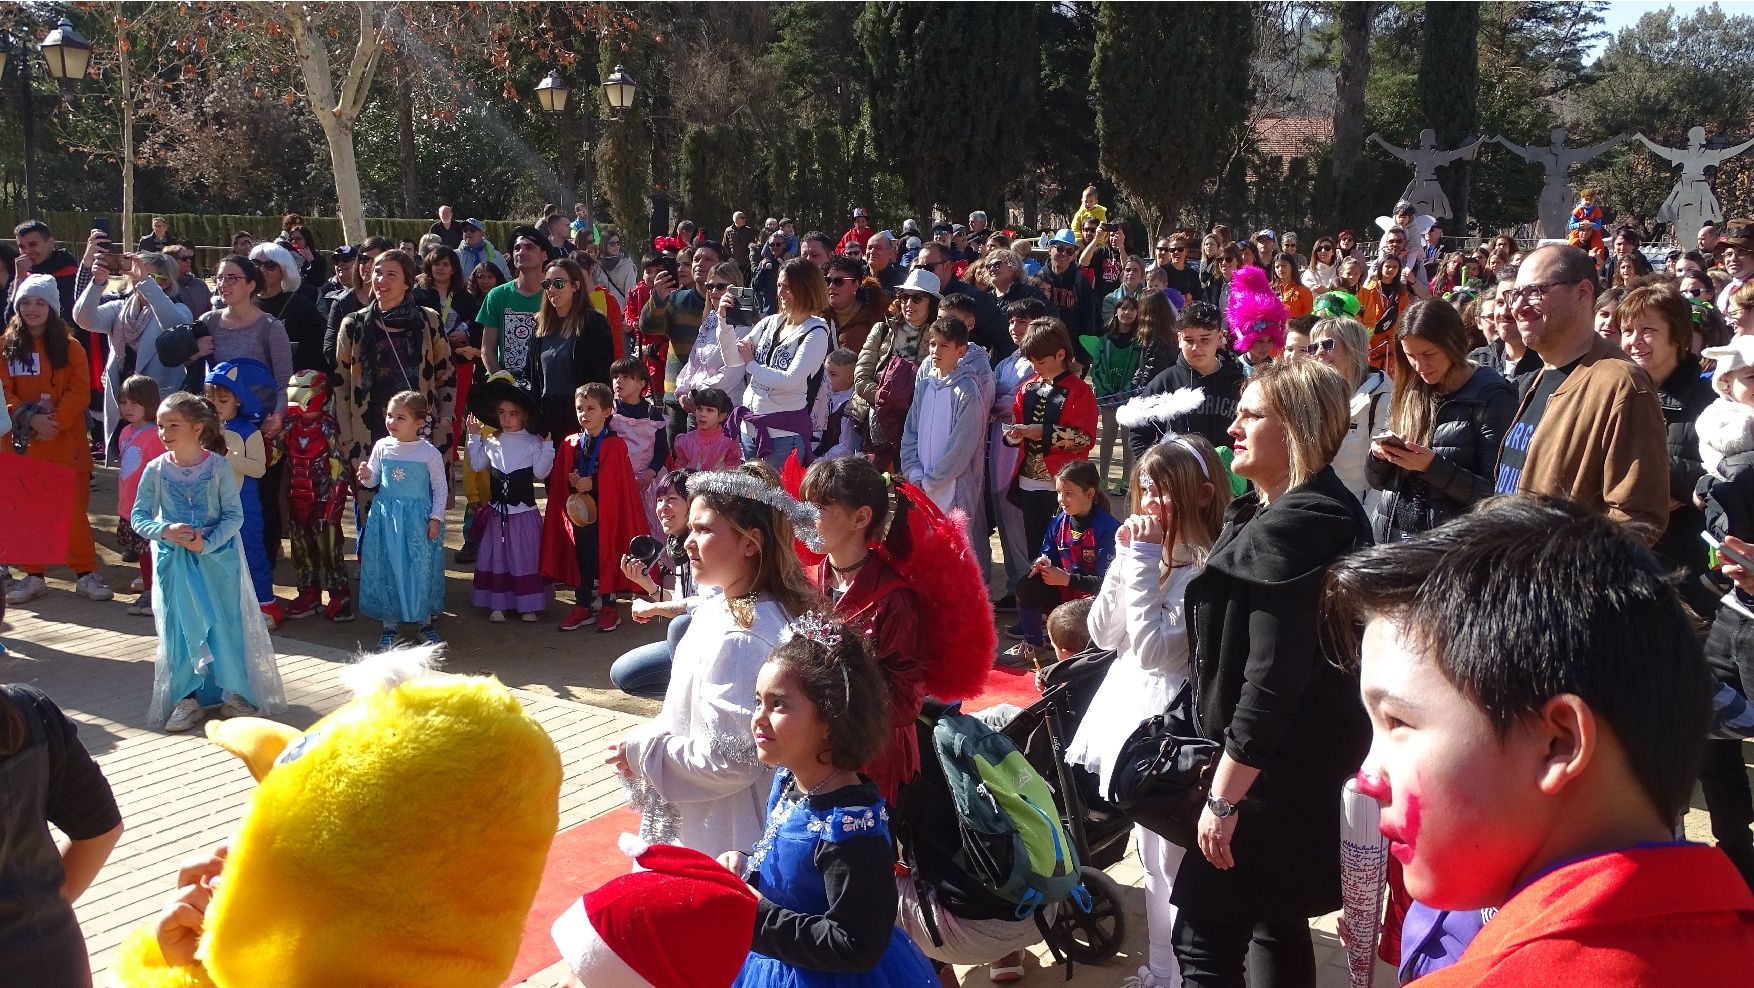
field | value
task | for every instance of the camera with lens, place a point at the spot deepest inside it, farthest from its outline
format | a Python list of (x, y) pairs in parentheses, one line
[(746, 306)]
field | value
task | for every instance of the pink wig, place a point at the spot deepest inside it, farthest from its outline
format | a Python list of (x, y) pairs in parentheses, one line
[(1254, 312)]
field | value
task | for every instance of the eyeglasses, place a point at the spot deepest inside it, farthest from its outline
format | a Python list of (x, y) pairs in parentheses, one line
[(227, 279), (1320, 346), (1164, 248), (555, 284), (1321, 248), (841, 279), (1693, 292), (161, 279), (1534, 294), (907, 297), (270, 265), (716, 286), (1060, 249)]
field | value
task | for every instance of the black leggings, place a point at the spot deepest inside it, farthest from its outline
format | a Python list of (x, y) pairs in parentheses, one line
[(1212, 953), (1038, 509)]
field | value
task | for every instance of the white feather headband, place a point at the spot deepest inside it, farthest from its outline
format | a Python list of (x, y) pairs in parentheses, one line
[(1158, 410), (735, 483)]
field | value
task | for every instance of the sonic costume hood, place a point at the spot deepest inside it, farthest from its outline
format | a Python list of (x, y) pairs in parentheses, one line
[(399, 841)]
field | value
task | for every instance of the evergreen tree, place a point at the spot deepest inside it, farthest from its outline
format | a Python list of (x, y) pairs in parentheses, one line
[(955, 127), (1449, 86), (1172, 92)]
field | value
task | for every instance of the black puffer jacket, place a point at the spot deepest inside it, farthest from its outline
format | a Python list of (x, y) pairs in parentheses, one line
[(1684, 394), (1468, 429)]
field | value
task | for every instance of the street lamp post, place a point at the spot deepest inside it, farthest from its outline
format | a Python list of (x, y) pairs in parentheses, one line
[(68, 55), (619, 90)]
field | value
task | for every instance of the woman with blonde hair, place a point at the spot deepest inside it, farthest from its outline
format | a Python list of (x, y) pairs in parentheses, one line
[(1341, 343), (1287, 716), (1448, 418)]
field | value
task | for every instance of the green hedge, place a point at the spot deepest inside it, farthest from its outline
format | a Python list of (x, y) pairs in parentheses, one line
[(212, 233)]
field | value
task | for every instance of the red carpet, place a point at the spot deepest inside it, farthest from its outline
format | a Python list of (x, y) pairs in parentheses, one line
[(581, 858)]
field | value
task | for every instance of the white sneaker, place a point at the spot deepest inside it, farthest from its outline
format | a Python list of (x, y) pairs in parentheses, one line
[(185, 715), (529, 617), (1144, 979), (27, 589), (237, 706), (141, 605), (91, 587), (496, 617)]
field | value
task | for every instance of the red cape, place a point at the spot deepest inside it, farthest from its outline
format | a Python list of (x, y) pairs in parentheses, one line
[(619, 516), (886, 612)]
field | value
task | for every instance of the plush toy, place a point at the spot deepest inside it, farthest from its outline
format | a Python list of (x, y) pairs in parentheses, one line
[(627, 934), (399, 841), (1586, 223)]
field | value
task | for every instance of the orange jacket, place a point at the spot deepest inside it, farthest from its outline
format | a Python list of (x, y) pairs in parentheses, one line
[(68, 387)]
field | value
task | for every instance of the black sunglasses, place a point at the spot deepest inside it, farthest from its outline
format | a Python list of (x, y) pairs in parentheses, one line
[(716, 286), (915, 297), (556, 283), (842, 280)]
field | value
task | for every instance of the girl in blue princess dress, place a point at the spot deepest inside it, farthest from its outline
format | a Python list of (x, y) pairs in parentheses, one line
[(825, 865), (213, 646), (401, 557)]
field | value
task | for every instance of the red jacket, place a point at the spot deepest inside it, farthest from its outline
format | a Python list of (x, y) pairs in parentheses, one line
[(619, 516), (1674, 915), (1066, 410)]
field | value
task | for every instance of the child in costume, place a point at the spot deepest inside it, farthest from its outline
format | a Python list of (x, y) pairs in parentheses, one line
[(1089, 209), (1585, 227), (239, 391), (1256, 318), (317, 494), (824, 865), (640, 424), (624, 934), (710, 446), (1177, 502), (137, 403), (402, 560), (942, 451), (1053, 421), (692, 771), (1557, 800), (583, 536), (213, 645), (1002, 459), (508, 533), (361, 855), (1075, 555), (886, 552)]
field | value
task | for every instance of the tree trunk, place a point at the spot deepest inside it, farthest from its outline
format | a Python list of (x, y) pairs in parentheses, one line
[(336, 114), (125, 77), (1355, 21), (405, 139), (346, 168)]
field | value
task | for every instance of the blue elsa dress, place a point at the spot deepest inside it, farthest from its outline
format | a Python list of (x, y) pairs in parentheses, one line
[(795, 905), (212, 637), (401, 571)]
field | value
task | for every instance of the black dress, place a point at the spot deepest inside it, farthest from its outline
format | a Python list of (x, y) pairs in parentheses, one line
[(1264, 688)]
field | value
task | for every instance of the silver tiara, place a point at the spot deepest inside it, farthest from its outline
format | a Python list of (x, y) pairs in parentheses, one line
[(735, 483), (811, 626)]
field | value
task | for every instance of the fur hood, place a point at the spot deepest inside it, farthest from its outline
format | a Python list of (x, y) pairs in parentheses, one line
[(1725, 428)]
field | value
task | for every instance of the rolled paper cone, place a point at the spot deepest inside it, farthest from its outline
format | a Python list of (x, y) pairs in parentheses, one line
[(1363, 878)]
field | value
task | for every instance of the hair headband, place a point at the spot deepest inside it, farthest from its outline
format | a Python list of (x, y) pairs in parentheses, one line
[(1205, 473), (741, 485)]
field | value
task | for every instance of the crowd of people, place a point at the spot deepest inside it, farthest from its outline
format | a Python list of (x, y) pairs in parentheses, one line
[(1431, 516)]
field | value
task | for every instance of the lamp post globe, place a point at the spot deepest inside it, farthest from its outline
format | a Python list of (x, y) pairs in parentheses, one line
[(619, 88), (552, 92), (66, 51)]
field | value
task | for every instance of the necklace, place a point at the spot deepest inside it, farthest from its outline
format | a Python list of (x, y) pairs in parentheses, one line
[(818, 787), (854, 568)]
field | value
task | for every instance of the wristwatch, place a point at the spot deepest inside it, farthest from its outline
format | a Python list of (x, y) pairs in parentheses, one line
[(1221, 808)]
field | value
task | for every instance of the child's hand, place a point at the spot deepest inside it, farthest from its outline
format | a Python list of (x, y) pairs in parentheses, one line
[(580, 485), (432, 529), (734, 862), (471, 426), (364, 474), (617, 759), (1743, 579), (642, 478), (1054, 576), (1143, 529), (196, 543), (181, 921)]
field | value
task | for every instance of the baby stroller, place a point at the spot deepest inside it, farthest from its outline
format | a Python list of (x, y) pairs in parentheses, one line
[(1098, 831)]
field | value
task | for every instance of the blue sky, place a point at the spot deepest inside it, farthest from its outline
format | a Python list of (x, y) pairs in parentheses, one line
[(1625, 14)]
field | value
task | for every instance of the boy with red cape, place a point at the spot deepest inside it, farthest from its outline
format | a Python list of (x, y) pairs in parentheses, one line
[(891, 563), (593, 513)]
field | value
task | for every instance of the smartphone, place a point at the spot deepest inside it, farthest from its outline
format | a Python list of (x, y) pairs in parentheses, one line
[(1727, 553), (1389, 439), (102, 225)]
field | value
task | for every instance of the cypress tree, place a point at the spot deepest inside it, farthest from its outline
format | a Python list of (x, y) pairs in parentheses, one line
[(1449, 86)]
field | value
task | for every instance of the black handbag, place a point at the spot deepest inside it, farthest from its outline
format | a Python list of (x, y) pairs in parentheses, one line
[(1164, 771)]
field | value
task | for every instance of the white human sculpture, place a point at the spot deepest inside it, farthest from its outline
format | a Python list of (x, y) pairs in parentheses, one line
[(1692, 201), (1557, 160)]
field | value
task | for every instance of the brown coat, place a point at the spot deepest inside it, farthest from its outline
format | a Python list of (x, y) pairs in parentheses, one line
[(1602, 442)]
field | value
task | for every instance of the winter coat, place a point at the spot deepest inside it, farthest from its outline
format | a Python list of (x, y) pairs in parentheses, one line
[(435, 379), (1492, 355), (1370, 415), (1465, 433), (1726, 449), (955, 431), (1222, 387), (1073, 299), (872, 304), (1113, 364), (103, 318), (1684, 396), (881, 398), (1266, 690)]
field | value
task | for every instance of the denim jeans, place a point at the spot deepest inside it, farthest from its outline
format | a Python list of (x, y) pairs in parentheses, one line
[(645, 669), (782, 448)]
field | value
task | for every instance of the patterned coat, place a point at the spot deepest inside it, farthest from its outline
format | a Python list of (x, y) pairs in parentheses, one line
[(436, 380)]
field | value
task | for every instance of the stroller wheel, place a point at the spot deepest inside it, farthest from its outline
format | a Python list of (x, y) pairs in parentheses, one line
[(1094, 936)]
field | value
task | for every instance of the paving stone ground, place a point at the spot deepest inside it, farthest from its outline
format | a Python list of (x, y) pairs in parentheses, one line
[(179, 794)]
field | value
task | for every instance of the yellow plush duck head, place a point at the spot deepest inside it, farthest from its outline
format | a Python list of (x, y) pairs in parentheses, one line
[(399, 841)]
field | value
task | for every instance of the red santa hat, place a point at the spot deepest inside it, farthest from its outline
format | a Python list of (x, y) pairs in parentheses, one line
[(624, 934)]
